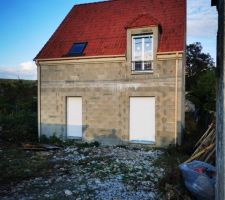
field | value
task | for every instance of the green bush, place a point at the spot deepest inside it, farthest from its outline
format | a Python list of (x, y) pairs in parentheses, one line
[(51, 140), (18, 111), (21, 127)]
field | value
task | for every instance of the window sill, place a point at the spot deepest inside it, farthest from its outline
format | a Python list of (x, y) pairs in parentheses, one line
[(142, 72)]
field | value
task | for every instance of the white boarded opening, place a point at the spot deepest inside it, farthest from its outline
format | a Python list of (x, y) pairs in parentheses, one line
[(142, 119), (74, 117)]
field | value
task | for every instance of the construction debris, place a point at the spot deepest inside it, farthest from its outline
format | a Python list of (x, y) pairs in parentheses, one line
[(75, 172), (205, 147), (49, 147), (39, 147)]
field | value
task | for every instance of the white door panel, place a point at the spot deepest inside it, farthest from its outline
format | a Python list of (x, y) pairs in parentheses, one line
[(142, 119), (74, 117)]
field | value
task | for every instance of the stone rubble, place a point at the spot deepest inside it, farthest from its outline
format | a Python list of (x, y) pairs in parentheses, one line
[(68, 192), (126, 172)]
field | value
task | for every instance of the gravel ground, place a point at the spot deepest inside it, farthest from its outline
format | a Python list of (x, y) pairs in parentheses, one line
[(125, 172)]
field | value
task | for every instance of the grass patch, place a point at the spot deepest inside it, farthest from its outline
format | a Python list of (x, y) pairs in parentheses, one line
[(87, 144), (171, 184), (66, 143), (17, 165)]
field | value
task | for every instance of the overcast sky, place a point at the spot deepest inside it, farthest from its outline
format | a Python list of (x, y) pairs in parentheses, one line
[(27, 25)]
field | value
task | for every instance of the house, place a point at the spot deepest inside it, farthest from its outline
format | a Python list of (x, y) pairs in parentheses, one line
[(113, 72), (220, 105)]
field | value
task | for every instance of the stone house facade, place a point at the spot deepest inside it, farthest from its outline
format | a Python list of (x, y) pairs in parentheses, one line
[(113, 72)]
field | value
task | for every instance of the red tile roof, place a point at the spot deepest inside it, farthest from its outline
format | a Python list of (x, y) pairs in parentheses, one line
[(142, 21), (103, 25)]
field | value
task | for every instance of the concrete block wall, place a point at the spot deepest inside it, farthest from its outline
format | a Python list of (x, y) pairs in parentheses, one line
[(105, 88)]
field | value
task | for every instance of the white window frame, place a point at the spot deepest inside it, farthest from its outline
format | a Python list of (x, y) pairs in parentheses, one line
[(133, 51)]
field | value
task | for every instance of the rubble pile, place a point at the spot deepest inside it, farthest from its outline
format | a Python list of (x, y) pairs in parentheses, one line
[(126, 172)]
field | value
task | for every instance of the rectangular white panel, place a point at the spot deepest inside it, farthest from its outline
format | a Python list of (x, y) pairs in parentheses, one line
[(142, 119), (74, 117)]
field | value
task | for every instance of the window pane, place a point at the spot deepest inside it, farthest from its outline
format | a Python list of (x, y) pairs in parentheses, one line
[(138, 48), (148, 48), (138, 66), (77, 48), (142, 53), (148, 65)]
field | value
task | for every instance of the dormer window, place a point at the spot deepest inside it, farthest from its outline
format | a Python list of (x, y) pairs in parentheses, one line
[(142, 52)]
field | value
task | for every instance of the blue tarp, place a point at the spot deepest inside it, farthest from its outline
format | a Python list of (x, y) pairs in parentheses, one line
[(199, 178)]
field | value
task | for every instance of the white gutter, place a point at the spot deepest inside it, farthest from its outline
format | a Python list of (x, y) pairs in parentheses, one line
[(78, 58), (39, 98), (175, 127)]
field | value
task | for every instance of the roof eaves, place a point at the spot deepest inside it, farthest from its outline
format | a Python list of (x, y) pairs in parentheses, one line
[(81, 58)]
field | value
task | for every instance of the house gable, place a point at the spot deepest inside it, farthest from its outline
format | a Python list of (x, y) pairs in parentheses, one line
[(106, 56)]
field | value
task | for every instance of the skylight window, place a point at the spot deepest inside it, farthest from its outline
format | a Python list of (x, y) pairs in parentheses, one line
[(77, 49)]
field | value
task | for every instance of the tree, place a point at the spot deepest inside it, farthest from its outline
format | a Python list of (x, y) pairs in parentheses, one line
[(203, 93), (197, 62), (18, 110), (201, 84)]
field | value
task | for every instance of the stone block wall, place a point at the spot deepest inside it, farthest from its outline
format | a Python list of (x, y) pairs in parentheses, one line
[(106, 87)]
